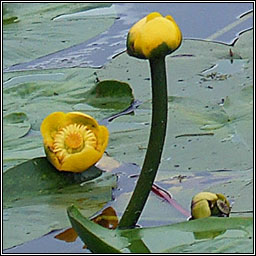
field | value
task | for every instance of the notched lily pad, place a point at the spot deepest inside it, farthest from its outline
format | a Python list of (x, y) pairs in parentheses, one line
[(15, 125)]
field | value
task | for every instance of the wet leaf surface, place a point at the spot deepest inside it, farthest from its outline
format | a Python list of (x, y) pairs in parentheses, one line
[(15, 125)]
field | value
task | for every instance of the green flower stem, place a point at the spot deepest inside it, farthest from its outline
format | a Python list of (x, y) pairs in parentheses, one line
[(155, 145)]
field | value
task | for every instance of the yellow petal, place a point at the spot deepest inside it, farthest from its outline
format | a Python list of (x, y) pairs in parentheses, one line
[(201, 209), (81, 118), (153, 15), (201, 203), (81, 161), (156, 32), (52, 158), (50, 125), (204, 196), (70, 155), (103, 137), (152, 36), (133, 35)]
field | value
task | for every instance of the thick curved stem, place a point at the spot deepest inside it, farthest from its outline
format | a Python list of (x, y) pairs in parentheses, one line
[(155, 145)]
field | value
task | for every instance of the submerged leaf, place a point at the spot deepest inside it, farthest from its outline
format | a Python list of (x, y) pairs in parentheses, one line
[(69, 235)]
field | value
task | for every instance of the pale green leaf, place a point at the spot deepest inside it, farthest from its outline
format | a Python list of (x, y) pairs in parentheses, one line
[(33, 30)]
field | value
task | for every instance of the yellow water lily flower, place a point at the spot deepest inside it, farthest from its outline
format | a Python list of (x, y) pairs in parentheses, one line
[(73, 141), (206, 204), (153, 36)]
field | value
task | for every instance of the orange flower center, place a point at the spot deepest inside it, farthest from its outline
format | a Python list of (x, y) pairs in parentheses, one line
[(74, 140)]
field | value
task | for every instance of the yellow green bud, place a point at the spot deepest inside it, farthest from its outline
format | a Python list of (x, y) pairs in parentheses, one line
[(206, 204), (153, 36)]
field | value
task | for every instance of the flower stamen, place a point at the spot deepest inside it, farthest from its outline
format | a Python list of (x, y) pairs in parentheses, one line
[(73, 139)]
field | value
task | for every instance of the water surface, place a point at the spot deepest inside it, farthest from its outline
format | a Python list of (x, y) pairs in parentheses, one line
[(215, 21)]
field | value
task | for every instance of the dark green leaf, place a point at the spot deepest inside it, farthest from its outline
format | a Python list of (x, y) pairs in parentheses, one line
[(180, 237), (36, 195), (92, 234), (38, 177), (111, 94)]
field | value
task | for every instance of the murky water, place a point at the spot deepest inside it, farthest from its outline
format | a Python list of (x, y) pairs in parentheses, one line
[(214, 21)]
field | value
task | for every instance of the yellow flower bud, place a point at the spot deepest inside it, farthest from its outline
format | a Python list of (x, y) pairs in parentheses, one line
[(153, 36), (73, 141), (206, 204)]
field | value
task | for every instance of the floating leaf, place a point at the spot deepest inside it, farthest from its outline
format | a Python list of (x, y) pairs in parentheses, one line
[(106, 218), (197, 99), (22, 41), (15, 125), (195, 106), (38, 93), (173, 238), (39, 177), (35, 196), (111, 94)]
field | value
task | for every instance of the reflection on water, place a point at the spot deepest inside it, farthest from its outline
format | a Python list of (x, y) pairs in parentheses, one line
[(196, 20)]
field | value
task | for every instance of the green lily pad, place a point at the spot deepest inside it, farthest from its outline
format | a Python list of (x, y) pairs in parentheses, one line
[(210, 129), (36, 195), (61, 25), (110, 94), (38, 93), (39, 177), (209, 140), (15, 125), (198, 94), (233, 235)]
